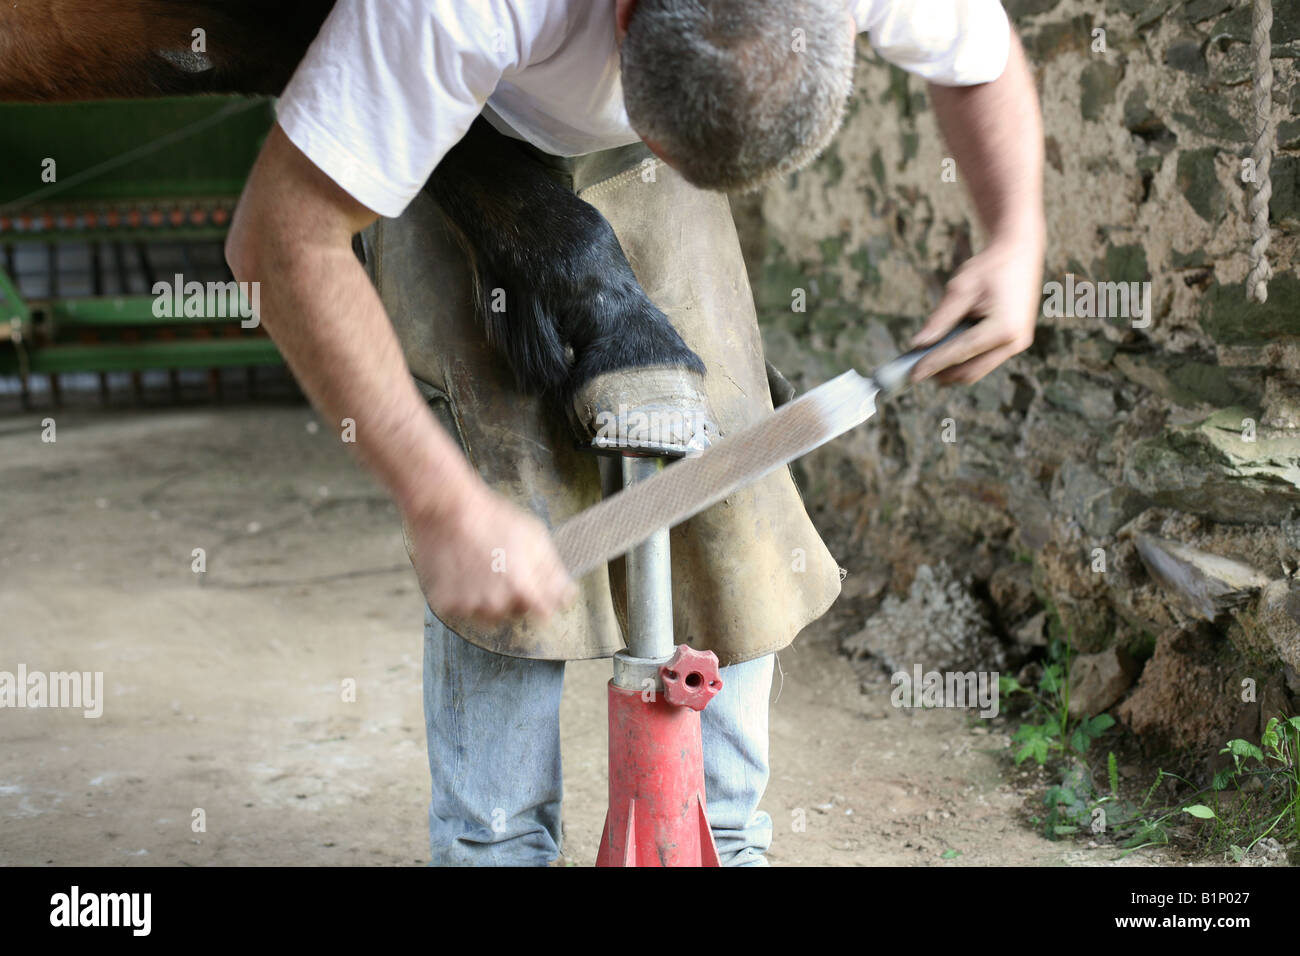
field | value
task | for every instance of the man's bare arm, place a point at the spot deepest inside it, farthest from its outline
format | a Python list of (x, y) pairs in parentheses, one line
[(995, 132), (292, 233)]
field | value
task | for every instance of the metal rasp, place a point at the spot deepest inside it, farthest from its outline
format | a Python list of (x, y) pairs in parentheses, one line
[(620, 522)]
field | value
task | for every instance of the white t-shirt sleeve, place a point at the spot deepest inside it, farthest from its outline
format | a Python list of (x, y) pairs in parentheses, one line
[(389, 86), (948, 42)]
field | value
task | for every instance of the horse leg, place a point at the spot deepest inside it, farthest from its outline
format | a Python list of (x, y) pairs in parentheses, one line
[(555, 291)]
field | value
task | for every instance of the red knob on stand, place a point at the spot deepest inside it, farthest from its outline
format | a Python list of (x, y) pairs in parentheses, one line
[(691, 677)]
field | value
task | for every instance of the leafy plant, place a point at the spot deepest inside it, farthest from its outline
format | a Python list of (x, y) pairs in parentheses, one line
[(1054, 733), (1142, 831), (1273, 768), (1258, 795), (1069, 804)]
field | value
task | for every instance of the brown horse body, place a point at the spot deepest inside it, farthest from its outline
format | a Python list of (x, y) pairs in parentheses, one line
[(101, 49)]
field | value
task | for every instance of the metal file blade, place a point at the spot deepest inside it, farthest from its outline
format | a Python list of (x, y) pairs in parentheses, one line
[(685, 488)]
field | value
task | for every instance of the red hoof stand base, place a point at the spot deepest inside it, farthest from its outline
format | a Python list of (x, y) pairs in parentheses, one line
[(656, 769)]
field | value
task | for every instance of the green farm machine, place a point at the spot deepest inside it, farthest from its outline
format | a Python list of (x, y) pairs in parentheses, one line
[(99, 204)]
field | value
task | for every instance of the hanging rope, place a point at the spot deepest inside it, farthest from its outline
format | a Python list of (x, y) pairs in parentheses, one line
[(1261, 52)]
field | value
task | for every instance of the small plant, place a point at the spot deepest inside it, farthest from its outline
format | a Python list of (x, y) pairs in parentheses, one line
[(1069, 804), (1054, 734), (1258, 795), (1273, 770), (1129, 824), (1049, 734)]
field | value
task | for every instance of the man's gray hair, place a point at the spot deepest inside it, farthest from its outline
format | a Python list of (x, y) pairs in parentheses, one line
[(737, 92)]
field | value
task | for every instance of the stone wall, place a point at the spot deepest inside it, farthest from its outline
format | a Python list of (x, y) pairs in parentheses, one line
[(1134, 490)]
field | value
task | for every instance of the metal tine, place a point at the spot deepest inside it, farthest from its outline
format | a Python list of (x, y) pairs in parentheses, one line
[(52, 266)]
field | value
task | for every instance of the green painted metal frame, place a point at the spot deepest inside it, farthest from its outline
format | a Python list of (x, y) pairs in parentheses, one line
[(202, 146), (136, 356), (116, 310), (12, 307), (170, 234), (203, 150)]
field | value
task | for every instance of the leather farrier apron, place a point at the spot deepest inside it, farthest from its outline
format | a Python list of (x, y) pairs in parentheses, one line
[(748, 573)]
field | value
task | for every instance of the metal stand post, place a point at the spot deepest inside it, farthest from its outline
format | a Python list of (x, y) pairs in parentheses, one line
[(656, 811)]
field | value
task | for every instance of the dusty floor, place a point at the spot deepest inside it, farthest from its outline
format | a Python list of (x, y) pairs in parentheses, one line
[(223, 688)]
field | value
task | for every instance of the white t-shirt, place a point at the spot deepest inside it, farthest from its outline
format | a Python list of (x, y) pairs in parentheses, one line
[(389, 86)]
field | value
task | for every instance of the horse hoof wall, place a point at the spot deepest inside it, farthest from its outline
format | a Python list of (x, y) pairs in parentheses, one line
[(660, 411)]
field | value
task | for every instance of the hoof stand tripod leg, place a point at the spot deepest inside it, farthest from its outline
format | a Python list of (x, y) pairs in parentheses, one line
[(656, 813)]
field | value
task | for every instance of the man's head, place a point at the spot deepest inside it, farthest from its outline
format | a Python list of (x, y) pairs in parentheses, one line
[(734, 93)]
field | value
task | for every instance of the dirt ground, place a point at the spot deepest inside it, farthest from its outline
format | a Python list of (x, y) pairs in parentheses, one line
[(223, 688)]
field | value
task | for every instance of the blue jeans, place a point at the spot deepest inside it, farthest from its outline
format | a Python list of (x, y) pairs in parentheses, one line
[(493, 728)]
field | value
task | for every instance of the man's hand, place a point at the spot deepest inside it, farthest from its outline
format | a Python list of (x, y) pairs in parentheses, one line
[(1000, 287), (486, 560), (995, 133)]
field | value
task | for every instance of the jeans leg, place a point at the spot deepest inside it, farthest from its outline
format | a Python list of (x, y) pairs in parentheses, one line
[(736, 770), (493, 729)]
